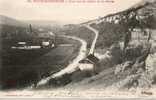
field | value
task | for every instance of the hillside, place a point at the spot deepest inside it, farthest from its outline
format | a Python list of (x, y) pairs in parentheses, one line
[(15, 30), (43, 22), (135, 66), (114, 26), (4, 20), (128, 39)]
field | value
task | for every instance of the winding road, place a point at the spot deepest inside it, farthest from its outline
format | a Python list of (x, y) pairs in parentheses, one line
[(72, 67), (95, 39)]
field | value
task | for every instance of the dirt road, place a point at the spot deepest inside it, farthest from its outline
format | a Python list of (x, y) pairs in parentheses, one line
[(95, 39), (73, 66)]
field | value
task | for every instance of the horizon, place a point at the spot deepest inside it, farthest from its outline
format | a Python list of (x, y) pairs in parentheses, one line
[(67, 13)]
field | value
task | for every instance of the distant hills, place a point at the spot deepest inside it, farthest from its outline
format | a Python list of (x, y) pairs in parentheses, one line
[(43, 23), (13, 28), (4, 20), (146, 8), (47, 25)]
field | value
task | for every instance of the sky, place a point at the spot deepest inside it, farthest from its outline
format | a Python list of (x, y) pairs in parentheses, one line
[(62, 12)]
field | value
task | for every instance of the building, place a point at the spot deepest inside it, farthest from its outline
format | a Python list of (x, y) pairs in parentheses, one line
[(89, 63), (139, 35)]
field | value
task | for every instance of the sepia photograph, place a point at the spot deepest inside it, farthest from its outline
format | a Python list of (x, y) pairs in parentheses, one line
[(78, 49)]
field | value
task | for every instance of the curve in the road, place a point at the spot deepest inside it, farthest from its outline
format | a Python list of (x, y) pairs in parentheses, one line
[(95, 39), (82, 54), (74, 65), (71, 67)]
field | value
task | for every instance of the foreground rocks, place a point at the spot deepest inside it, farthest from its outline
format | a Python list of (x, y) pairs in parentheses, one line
[(140, 71)]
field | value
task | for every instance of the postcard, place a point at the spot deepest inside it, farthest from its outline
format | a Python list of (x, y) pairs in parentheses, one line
[(78, 49)]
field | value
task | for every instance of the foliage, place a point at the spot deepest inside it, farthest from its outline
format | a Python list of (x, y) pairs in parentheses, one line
[(109, 34)]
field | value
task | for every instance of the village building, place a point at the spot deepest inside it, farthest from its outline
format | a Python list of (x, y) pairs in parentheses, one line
[(140, 35), (88, 64)]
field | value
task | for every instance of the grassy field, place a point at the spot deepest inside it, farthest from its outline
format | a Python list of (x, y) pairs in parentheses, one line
[(23, 68)]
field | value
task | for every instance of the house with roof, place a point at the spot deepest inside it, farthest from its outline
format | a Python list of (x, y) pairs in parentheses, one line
[(89, 63)]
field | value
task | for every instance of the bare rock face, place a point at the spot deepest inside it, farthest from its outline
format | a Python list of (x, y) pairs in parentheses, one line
[(151, 62), (122, 67), (145, 81), (151, 66)]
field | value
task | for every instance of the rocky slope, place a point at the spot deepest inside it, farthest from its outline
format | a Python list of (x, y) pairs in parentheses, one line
[(136, 67), (113, 27)]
